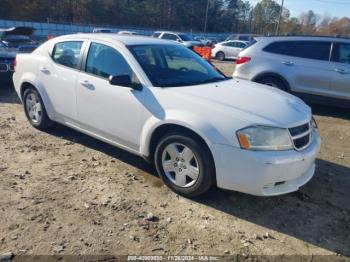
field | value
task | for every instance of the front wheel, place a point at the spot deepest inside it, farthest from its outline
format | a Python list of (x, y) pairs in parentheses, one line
[(35, 110), (184, 164)]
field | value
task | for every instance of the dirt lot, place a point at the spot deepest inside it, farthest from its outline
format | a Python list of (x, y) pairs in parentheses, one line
[(62, 192)]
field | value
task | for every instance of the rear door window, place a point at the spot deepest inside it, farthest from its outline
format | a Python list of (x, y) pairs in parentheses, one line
[(68, 53), (341, 53), (317, 50)]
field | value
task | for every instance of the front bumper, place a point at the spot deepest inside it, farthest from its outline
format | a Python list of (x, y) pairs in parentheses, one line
[(265, 173)]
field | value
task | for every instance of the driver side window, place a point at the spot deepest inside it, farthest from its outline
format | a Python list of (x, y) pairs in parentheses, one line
[(105, 61)]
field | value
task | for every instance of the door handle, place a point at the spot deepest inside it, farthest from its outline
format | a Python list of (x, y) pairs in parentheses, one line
[(44, 70), (288, 63), (87, 84), (341, 71)]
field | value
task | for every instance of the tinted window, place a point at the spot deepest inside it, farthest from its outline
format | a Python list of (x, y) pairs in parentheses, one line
[(341, 53), (171, 65), (170, 36), (105, 61), (67, 54), (156, 35), (305, 49), (231, 44), (185, 37)]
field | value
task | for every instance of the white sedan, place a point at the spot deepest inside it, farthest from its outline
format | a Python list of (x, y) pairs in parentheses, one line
[(160, 100), (228, 49)]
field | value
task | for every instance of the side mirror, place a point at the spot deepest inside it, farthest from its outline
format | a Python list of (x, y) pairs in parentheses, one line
[(124, 80), (179, 40)]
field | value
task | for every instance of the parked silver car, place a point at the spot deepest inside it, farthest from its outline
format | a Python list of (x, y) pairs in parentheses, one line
[(314, 68), (184, 39), (228, 49)]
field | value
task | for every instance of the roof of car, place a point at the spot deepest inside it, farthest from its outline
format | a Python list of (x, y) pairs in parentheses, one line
[(124, 39), (305, 37)]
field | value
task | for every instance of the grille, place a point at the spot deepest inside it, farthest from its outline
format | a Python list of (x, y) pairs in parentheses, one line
[(301, 136)]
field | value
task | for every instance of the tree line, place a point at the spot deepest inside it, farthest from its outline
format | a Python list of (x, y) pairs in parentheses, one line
[(237, 16)]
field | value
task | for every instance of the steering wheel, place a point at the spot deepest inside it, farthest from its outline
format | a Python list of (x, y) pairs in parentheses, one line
[(183, 69)]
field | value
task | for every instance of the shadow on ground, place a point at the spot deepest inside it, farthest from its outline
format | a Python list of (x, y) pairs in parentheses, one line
[(329, 111), (318, 214), (8, 94)]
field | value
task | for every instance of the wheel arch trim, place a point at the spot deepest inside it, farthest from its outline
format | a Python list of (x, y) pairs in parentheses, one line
[(272, 74)]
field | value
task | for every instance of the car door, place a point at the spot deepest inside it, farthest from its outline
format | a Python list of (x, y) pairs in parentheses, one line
[(58, 74), (108, 111), (236, 49), (305, 64), (340, 63)]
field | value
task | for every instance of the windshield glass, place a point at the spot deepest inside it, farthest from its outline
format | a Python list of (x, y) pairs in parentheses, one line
[(185, 37), (173, 65)]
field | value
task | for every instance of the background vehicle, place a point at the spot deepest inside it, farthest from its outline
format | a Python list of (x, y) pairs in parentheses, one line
[(19, 37), (228, 49), (184, 39), (207, 41), (160, 100), (7, 59), (102, 30), (127, 33), (242, 37), (314, 68)]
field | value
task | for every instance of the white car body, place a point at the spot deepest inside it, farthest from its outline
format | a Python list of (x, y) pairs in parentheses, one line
[(128, 118), (230, 49)]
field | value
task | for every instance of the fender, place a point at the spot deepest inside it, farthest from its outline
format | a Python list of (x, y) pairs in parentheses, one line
[(32, 79), (185, 119)]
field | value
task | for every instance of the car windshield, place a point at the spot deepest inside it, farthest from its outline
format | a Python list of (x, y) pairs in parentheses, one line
[(185, 37), (173, 65)]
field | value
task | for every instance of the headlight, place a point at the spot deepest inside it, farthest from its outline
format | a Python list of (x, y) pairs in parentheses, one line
[(265, 138)]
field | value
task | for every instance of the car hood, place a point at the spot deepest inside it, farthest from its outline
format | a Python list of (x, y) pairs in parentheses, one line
[(27, 31), (254, 103)]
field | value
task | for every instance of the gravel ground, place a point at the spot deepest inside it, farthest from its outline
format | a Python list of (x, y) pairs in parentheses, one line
[(62, 192)]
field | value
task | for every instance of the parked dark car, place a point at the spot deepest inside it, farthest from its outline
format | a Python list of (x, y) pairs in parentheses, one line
[(12, 41), (19, 38), (7, 59)]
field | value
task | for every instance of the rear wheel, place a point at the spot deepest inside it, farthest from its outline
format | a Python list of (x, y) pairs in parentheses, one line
[(184, 164), (274, 82), (35, 110), (220, 56)]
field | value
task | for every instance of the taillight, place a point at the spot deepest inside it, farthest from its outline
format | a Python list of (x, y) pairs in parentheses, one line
[(14, 64), (242, 60)]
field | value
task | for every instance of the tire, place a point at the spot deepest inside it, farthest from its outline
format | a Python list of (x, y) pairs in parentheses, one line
[(220, 56), (187, 176), (35, 110), (274, 82)]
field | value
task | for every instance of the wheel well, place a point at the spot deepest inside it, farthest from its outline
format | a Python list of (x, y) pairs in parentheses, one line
[(163, 129), (24, 87), (273, 75)]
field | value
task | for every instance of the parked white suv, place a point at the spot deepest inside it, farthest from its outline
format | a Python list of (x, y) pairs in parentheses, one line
[(314, 68), (160, 100)]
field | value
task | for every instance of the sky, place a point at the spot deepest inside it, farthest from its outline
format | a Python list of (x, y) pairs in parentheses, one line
[(338, 8)]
